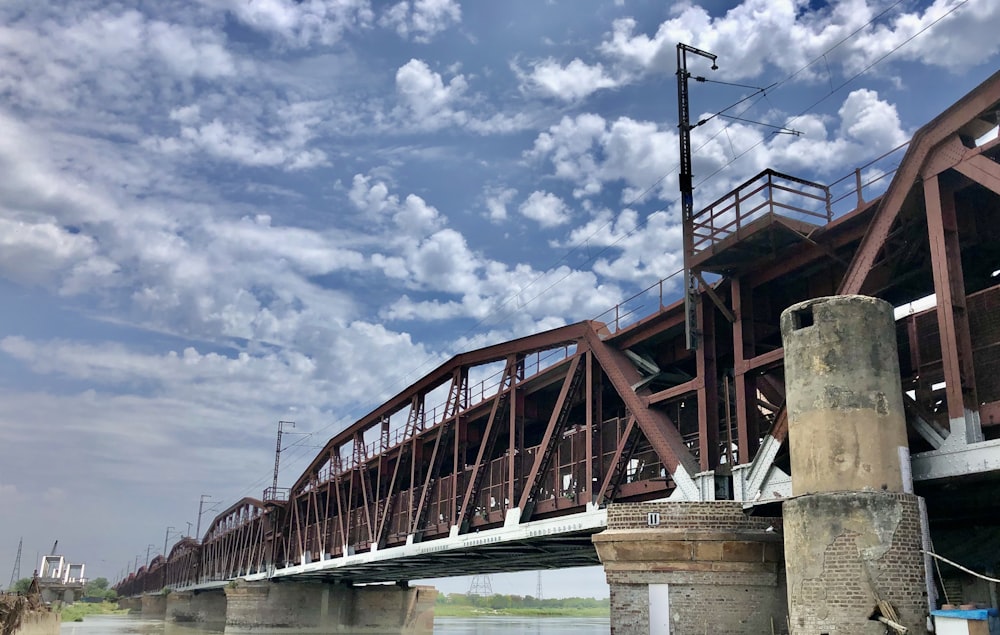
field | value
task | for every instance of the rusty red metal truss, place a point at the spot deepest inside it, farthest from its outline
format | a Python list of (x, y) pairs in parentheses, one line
[(590, 413)]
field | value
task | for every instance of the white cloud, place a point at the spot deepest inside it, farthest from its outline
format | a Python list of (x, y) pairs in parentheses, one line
[(514, 301), (411, 218), (443, 262), (240, 143), (756, 34), (300, 23), (868, 127), (426, 104), (189, 52), (630, 248), (571, 82), (429, 101), (59, 60), (308, 250), (35, 253), (496, 200), (421, 19), (590, 151), (545, 208)]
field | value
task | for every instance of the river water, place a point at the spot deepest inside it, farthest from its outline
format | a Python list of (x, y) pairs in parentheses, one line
[(134, 625)]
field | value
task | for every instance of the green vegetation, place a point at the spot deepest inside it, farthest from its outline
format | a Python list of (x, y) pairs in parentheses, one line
[(75, 612), (21, 586), (461, 605), (98, 588)]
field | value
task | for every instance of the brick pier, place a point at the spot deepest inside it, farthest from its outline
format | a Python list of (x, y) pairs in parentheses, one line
[(682, 567)]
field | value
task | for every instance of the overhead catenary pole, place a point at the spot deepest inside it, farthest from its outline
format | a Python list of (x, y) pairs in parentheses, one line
[(201, 505), (166, 537), (685, 182), (277, 456)]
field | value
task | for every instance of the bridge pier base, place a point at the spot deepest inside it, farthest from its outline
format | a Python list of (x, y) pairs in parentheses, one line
[(317, 607), (154, 605), (682, 567), (205, 607)]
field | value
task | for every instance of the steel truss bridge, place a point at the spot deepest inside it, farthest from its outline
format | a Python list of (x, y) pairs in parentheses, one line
[(504, 458)]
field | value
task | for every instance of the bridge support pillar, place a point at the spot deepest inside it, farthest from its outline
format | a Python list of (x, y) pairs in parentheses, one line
[(317, 607), (130, 604), (154, 605), (682, 567), (204, 607), (853, 528)]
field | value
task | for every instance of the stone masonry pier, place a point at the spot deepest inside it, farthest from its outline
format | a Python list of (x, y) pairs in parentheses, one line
[(296, 607), (315, 607), (682, 567)]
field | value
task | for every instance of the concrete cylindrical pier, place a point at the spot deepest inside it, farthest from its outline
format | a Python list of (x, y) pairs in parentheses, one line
[(852, 532), (846, 422)]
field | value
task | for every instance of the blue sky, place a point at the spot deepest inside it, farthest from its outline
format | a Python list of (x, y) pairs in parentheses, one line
[(216, 214)]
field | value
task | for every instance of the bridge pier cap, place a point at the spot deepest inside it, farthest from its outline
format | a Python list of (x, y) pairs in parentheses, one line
[(846, 424)]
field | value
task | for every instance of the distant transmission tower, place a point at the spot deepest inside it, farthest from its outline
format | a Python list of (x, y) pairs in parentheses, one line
[(538, 587), (482, 585), (15, 575)]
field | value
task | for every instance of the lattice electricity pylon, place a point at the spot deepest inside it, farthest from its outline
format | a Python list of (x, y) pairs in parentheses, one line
[(538, 587), (15, 575), (482, 585)]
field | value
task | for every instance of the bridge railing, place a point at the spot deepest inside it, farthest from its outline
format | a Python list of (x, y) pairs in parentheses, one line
[(866, 182)]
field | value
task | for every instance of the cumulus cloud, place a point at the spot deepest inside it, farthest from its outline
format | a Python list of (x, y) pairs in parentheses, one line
[(576, 80), (756, 34), (429, 102), (545, 208), (300, 23), (411, 217), (868, 127), (421, 19), (497, 199), (514, 301), (632, 248), (35, 253), (103, 57), (589, 151), (279, 140)]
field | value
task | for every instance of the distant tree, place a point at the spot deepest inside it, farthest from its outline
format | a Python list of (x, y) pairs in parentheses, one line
[(21, 586), (499, 601), (96, 588)]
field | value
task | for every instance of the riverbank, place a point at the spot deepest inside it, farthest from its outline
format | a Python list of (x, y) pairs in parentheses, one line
[(452, 610), (24, 615), (76, 612)]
